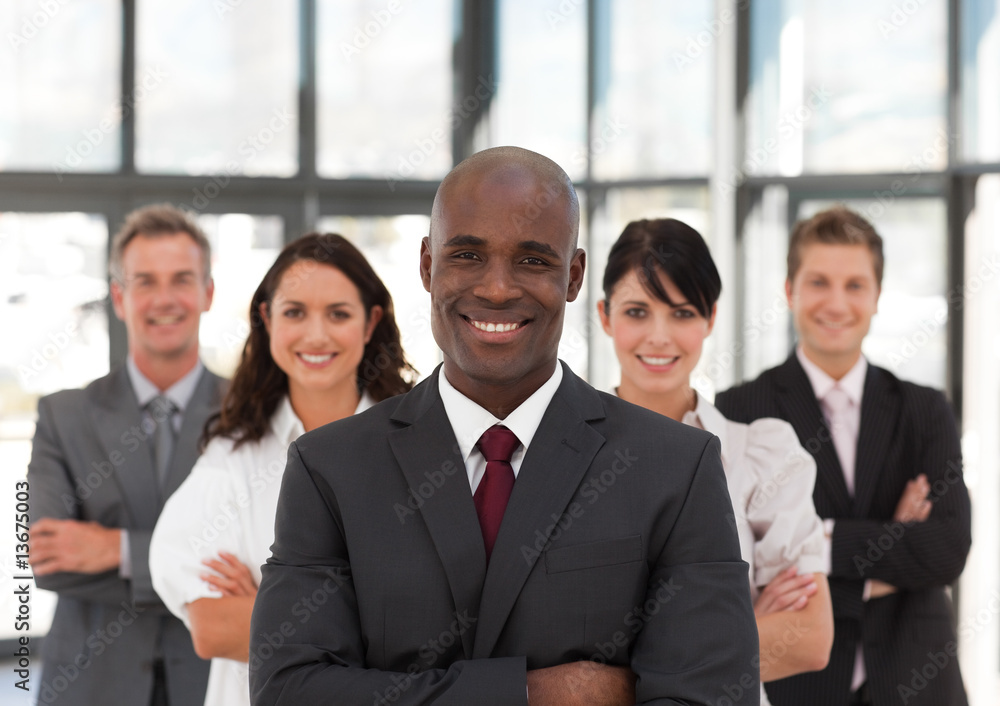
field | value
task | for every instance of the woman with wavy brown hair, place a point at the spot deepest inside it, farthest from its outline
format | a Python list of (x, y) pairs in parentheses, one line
[(323, 345)]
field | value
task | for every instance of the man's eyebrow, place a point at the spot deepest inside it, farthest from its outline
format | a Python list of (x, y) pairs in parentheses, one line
[(463, 240), (543, 248), (459, 241)]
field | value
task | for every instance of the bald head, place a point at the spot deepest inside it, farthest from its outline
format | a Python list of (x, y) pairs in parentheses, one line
[(509, 168)]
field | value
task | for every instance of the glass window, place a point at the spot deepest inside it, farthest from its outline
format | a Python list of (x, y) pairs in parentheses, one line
[(654, 98), (53, 298), (392, 246), (980, 57), (849, 86), (60, 82), (766, 324), (384, 89), (909, 334), (541, 98), (621, 206), (243, 248), (216, 87)]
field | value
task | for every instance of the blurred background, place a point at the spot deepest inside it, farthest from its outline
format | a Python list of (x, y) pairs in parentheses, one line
[(269, 120)]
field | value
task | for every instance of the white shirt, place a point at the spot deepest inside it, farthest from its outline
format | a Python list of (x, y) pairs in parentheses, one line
[(469, 421), (770, 479), (228, 503)]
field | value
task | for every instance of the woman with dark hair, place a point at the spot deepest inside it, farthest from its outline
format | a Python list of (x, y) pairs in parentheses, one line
[(323, 345), (660, 292)]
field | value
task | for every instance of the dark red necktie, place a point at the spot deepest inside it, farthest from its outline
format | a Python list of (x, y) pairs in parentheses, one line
[(497, 445)]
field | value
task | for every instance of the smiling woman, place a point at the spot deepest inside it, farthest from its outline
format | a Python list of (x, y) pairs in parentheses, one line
[(323, 345)]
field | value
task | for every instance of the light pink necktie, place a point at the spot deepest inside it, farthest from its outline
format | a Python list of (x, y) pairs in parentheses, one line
[(837, 406)]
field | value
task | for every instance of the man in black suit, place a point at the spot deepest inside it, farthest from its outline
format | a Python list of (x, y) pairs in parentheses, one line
[(103, 462), (889, 481), (415, 565)]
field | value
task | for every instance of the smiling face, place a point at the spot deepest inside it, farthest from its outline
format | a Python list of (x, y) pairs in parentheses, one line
[(657, 345), (500, 265), (832, 298), (161, 299), (318, 329)]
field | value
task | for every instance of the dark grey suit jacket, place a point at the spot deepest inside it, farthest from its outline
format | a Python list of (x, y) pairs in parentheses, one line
[(905, 430), (614, 547), (92, 461)]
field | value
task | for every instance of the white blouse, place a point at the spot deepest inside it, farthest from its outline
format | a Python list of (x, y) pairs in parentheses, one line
[(227, 503), (770, 478)]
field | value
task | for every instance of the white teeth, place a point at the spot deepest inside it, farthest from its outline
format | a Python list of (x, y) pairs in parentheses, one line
[(649, 360), (316, 358), (491, 327)]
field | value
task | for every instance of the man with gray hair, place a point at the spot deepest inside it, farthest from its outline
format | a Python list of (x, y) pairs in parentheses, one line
[(105, 459)]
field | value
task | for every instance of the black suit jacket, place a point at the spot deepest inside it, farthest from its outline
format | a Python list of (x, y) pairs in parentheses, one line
[(91, 460), (905, 430), (614, 547)]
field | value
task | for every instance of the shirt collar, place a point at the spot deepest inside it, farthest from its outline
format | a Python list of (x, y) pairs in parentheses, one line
[(180, 393), (286, 425), (853, 383), (469, 420)]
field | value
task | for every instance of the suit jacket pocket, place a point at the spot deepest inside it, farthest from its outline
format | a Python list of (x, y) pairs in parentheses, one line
[(607, 552)]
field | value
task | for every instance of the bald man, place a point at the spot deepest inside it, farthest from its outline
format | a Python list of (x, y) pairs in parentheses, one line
[(504, 533)]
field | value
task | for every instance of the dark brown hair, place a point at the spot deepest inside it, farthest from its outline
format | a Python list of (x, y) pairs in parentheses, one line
[(153, 221), (835, 226), (669, 246), (259, 384)]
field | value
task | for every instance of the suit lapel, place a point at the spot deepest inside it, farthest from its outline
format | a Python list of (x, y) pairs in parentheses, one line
[(799, 406), (560, 454), (426, 444), (203, 402), (118, 424), (879, 413)]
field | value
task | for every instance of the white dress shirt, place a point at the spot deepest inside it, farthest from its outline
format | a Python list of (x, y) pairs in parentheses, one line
[(228, 503), (469, 421)]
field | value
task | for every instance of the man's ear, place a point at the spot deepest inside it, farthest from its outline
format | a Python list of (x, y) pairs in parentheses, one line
[(577, 267), (788, 293), (117, 299), (425, 262)]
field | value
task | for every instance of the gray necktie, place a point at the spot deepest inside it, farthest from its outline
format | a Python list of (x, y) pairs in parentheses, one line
[(162, 411)]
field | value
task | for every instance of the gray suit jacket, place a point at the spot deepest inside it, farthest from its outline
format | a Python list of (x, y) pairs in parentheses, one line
[(92, 461), (614, 547)]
